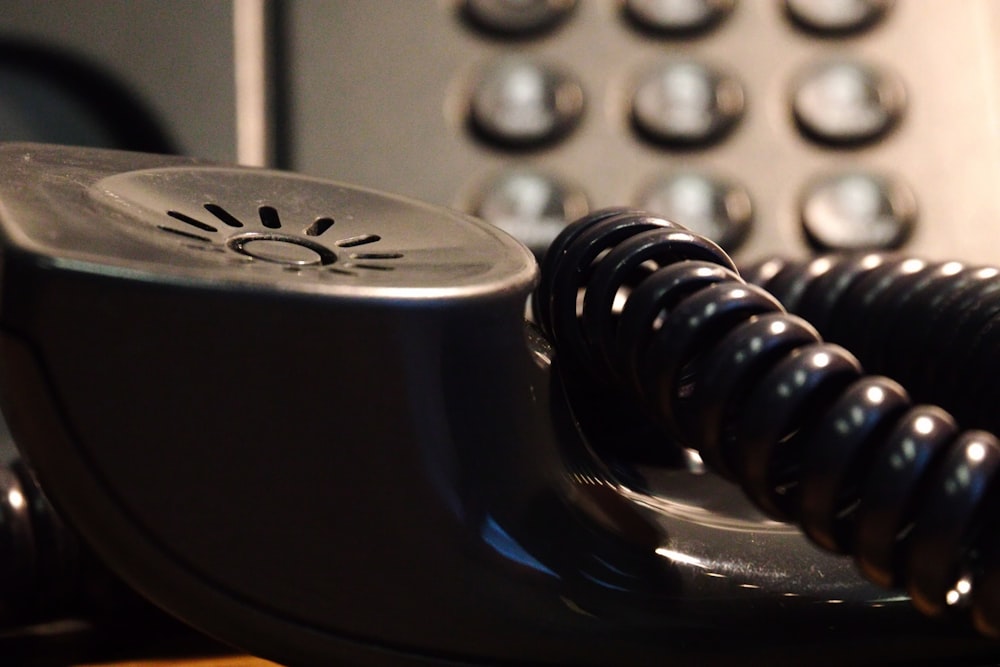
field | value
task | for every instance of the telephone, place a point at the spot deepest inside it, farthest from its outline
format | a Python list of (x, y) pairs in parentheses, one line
[(309, 419), (574, 536)]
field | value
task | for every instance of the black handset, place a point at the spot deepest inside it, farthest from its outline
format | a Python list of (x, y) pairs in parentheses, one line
[(309, 420)]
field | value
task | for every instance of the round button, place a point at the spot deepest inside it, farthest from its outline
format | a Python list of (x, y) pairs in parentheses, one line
[(516, 17), (531, 206), (836, 16), (686, 104), (677, 16), (522, 103), (845, 102), (712, 207), (857, 211)]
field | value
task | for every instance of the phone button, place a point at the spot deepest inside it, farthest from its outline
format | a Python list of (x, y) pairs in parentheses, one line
[(836, 16), (844, 102), (518, 102), (686, 103), (707, 205), (857, 211), (532, 206), (517, 17), (677, 16)]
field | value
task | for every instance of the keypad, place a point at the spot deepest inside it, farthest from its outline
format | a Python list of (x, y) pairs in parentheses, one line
[(736, 117), (679, 105)]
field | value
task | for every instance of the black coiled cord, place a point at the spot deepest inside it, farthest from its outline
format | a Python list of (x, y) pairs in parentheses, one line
[(637, 302), (944, 312), (46, 573)]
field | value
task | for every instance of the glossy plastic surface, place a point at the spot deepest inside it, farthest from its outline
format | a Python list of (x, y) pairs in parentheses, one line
[(343, 468)]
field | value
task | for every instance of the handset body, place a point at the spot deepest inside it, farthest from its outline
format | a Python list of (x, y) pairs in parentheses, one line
[(310, 420)]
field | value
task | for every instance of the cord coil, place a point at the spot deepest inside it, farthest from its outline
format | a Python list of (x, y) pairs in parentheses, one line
[(643, 304), (937, 329)]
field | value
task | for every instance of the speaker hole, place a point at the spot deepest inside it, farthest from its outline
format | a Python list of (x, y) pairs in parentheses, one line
[(355, 241), (375, 267), (187, 219), (222, 214), (269, 217), (319, 226), (376, 255)]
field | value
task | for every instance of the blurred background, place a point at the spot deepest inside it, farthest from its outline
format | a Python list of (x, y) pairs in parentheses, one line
[(769, 125)]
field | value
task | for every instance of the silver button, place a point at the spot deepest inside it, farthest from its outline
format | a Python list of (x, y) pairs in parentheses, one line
[(530, 205), (686, 103), (707, 205), (677, 16), (857, 211), (516, 17), (836, 16), (519, 102), (843, 102)]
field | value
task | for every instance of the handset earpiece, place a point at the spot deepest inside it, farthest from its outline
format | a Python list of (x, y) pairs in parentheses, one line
[(228, 377), (310, 420)]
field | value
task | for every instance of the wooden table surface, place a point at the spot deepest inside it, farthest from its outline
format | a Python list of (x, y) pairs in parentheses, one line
[(217, 661), (148, 642)]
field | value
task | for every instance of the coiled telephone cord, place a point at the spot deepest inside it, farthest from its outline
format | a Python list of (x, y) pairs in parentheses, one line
[(936, 328), (640, 303)]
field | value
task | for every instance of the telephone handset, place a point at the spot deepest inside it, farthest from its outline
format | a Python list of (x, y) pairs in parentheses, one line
[(310, 420)]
